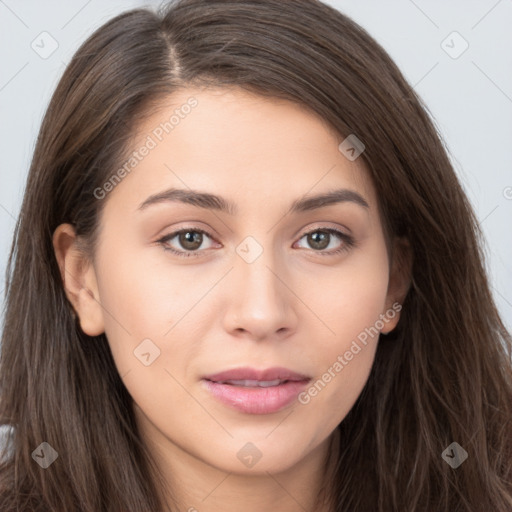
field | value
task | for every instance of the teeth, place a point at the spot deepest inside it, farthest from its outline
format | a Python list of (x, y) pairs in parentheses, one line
[(254, 383)]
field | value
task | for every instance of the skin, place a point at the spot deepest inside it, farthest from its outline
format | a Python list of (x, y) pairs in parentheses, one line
[(291, 307)]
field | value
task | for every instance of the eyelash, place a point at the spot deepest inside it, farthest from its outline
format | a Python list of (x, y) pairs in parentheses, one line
[(348, 241)]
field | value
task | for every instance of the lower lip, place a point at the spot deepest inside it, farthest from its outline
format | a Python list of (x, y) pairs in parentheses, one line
[(256, 400)]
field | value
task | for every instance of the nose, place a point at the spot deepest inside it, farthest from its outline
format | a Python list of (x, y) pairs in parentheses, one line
[(261, 305)]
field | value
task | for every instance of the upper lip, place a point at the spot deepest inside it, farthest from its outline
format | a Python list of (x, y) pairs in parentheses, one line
[(267, 374)]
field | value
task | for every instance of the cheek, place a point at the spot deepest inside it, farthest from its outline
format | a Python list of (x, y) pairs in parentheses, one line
[(354, 295), (141, 301), (144, 291), (145, 311), (352, 305)]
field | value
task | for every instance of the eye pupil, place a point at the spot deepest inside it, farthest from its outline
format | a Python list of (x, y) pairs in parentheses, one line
[(319, 239), (191, 240)]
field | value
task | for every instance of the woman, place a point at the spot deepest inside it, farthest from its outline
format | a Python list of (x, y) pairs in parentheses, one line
[(245, 276)]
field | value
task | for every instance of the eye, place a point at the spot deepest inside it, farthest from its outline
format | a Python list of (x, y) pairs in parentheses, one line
[(322, 238), (189, 239)]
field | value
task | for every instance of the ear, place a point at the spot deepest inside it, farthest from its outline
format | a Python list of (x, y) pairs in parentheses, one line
[(79, 279), (399, 281)]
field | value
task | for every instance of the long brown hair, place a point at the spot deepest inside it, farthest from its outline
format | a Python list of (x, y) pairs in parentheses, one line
[(444, 375)]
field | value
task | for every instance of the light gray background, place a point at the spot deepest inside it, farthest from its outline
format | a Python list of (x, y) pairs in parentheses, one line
[(469, 97)]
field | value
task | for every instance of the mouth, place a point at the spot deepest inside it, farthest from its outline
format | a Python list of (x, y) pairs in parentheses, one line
[(254, 391), (253, 383)]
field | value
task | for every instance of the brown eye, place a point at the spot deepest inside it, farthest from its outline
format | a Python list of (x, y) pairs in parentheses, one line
[(186, 242), (318, 239), (190, 240)]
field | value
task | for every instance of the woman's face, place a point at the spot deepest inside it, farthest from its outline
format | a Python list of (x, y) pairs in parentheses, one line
[(244, 289)]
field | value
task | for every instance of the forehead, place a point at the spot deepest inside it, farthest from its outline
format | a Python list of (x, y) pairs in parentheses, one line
[(231, 142)]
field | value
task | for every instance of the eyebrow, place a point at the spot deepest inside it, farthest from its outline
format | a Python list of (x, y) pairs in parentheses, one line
[(215, 202)]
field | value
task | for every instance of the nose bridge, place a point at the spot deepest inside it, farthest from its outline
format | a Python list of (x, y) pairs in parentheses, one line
[(255, 267), (262, 304)]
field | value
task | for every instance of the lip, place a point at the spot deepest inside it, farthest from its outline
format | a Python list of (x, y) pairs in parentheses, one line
[(253, 399), (247, 373)]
